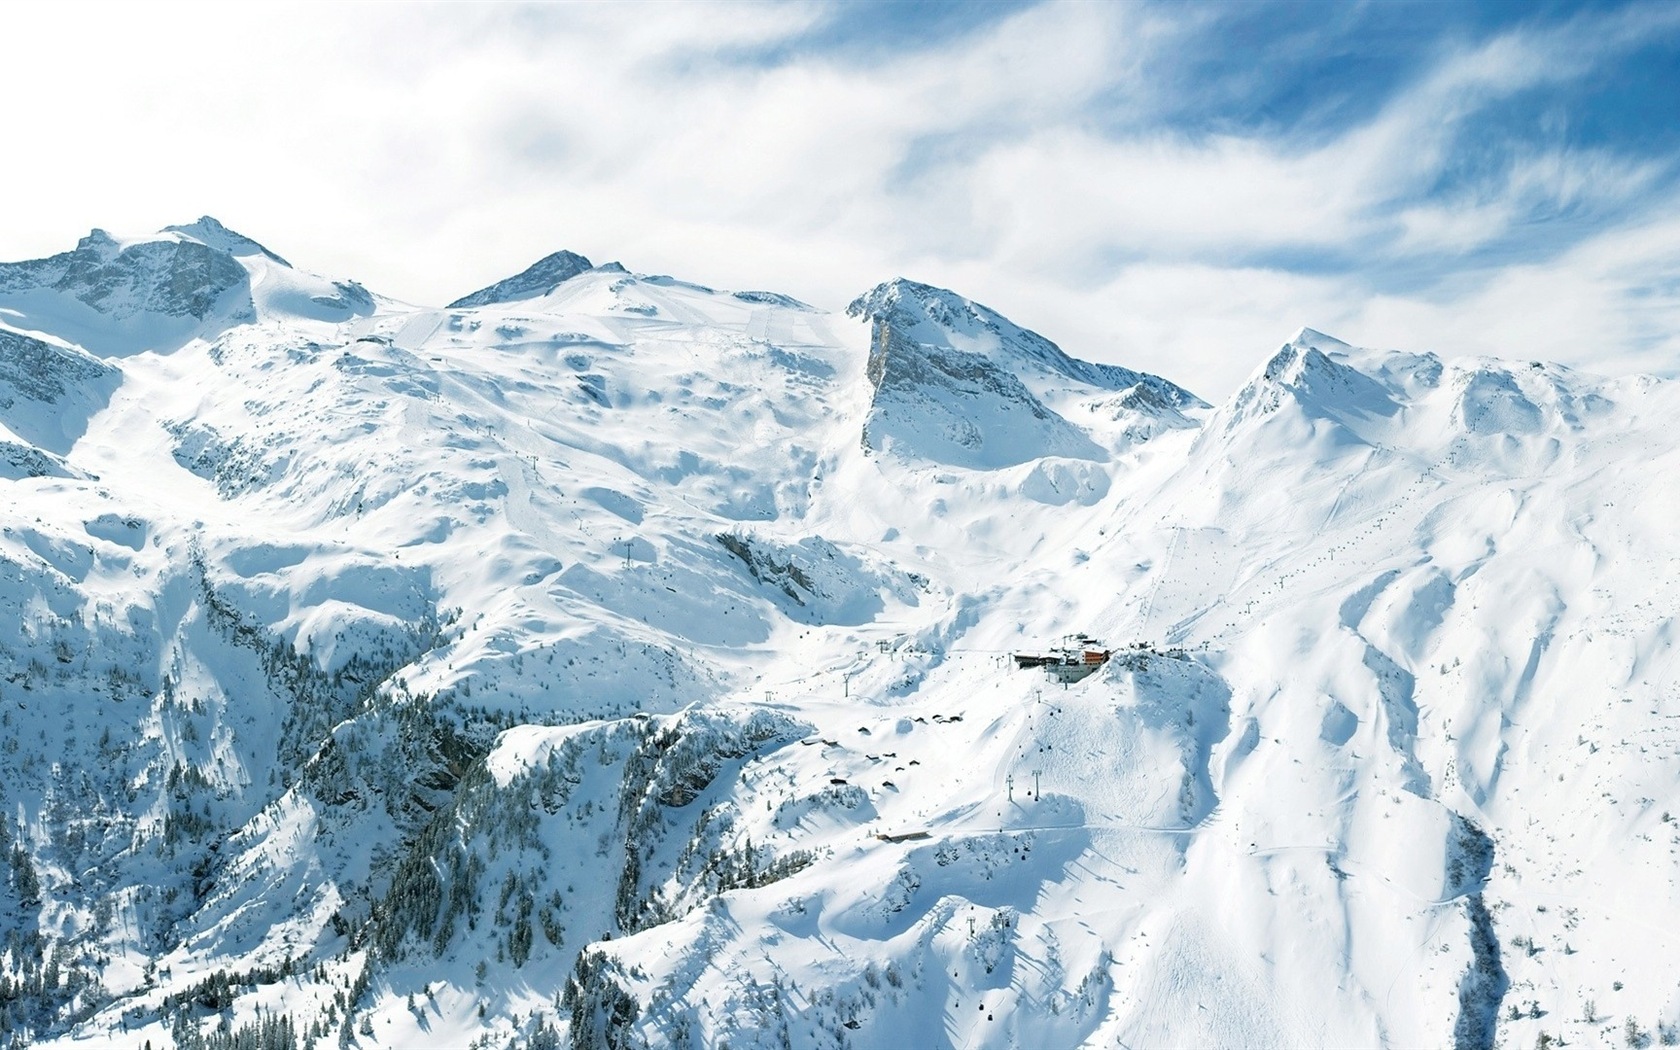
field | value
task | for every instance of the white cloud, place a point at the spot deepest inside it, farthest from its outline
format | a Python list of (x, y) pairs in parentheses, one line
[(1608, 305)]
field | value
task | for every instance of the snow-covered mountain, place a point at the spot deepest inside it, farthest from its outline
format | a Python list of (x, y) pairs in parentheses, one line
[(957, 383), (540, 278), (610, 660)]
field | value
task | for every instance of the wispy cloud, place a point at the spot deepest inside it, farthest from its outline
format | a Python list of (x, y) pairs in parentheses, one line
[(1174, 186)]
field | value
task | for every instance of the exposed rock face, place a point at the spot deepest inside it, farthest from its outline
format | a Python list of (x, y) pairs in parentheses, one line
[(26, 461), (174, 278), (957, 383), (43, 372), (959, 408), (47, 393), (542, 277)]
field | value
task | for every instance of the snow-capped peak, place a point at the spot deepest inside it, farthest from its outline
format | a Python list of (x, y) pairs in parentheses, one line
[(99, 243), (119, 296), (909, 303), (540, 278), (211, 233), (1306, 352), (1328, 376), (958, 383), (1316, 340), (929, 316), (934, 316)]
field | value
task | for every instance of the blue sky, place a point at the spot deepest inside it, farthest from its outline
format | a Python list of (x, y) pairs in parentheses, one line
[(1173, 186)]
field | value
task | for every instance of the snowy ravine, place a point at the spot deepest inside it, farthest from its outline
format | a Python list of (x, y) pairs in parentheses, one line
[(610, 661)]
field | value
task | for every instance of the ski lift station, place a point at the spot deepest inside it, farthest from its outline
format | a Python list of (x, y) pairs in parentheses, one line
[(1078, 656)]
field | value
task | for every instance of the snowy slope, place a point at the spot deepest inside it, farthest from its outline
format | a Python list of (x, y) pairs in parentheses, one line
[(611, 660)]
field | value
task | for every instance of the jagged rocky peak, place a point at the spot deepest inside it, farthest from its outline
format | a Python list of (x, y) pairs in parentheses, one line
[(540, 278), (99, 243), (958, 383), (1311, 353), (183, 271), (1306, 355), (211, 233), (910, 312), (1330, 377)]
